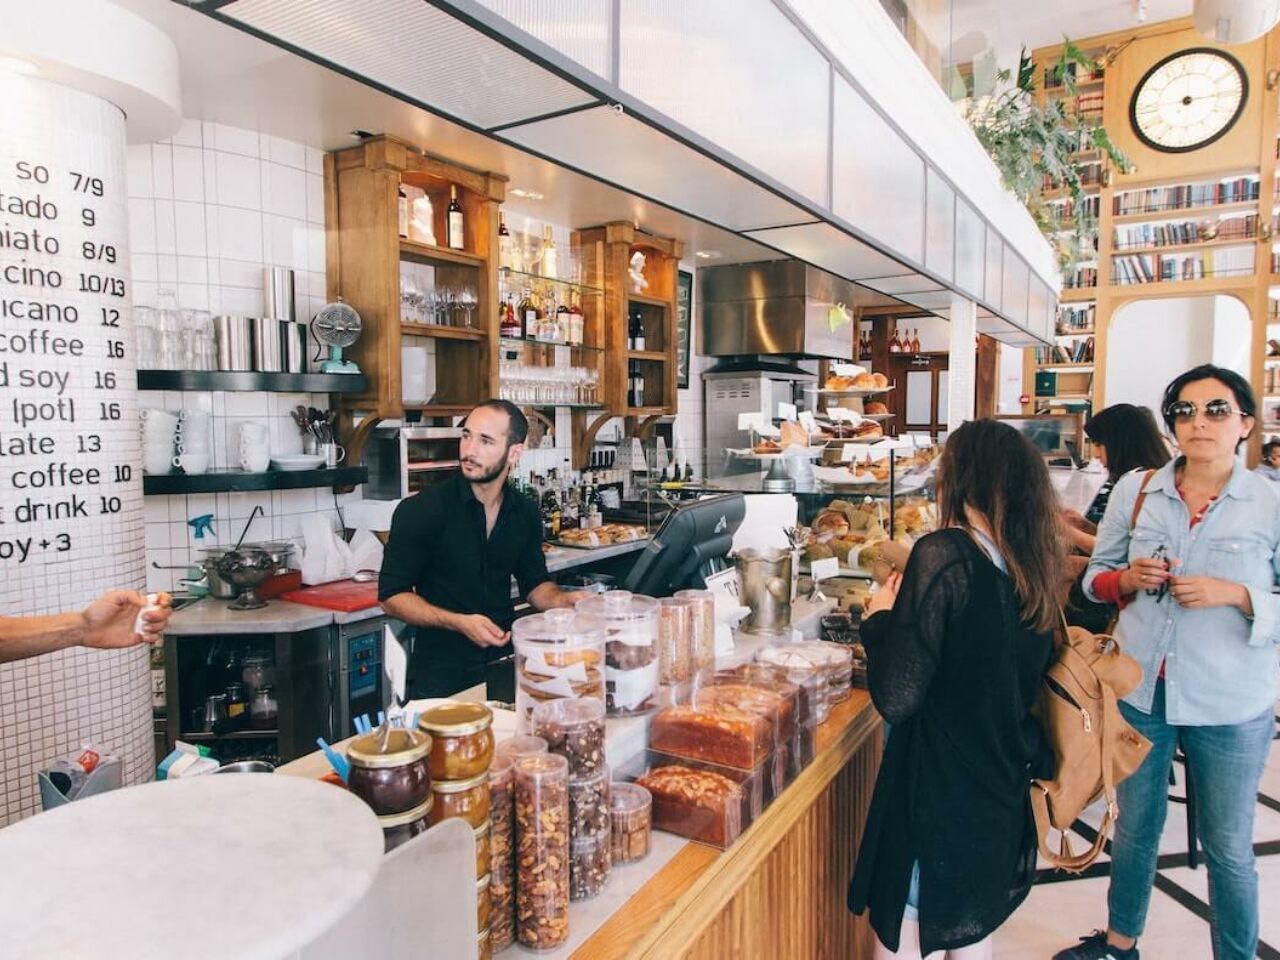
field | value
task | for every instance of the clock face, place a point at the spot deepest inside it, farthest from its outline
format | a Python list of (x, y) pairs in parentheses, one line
[(1188, 100)]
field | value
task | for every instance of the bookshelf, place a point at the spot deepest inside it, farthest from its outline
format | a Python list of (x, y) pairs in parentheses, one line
[(1197, 223)]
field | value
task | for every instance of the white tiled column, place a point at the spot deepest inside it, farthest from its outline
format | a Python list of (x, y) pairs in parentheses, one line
[(963, 361)]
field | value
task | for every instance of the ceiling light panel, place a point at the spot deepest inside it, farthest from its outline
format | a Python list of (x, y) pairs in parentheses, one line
[(414, 49), (903, 283), (995, 270), (940, 226), (579, 29), (1017, 277), (936, 300), (833, 250), (739, 74), (971, 248), (623, 150)]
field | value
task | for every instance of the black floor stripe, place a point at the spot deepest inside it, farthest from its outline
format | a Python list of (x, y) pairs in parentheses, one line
[(1164, 884), (1271, 803)]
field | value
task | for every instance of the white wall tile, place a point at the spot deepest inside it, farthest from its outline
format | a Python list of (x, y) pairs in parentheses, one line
[(188, 174), (145, 294), (189, 229), (142, 225), (166, 241), (189, 134), (138, 170), (285, 241), (162, 171), (193, 296), (287, 152), (315, 198), (193, 270), (232, 139), (167, 270), (284, 190), (248, 403), (144, 267), (315, 252), (240, 301), (315, 160), (239, 183), (209, 164), (239, 234), (240, 273)]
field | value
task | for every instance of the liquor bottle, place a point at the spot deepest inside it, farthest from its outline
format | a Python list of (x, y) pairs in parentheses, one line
[(577, 323), (549, 266), (402, 211), (510, 326), (895, 345), (506, 246), (529, 315), (688, 472), (637, 331), (564, 324), (915, 340), (455, 219)]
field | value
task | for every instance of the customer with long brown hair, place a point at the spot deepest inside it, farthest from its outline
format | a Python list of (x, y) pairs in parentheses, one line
[(957, 648)]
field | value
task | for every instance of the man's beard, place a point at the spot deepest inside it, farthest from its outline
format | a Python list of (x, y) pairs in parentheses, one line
[(490, 475)]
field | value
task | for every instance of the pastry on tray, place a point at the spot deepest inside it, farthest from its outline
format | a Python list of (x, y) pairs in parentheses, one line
[(874, 408), (766, 446)]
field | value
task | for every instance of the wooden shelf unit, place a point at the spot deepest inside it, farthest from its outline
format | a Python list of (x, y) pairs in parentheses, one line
[(1248, 148), (364, 252)]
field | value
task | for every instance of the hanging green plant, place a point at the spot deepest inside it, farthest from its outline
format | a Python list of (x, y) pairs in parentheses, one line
[(1035, 143)]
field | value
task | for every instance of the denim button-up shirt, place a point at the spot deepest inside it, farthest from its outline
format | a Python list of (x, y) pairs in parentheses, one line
[(1220, 666)]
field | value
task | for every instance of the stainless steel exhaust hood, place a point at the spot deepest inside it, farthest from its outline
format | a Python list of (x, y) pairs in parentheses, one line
[(777, 308)]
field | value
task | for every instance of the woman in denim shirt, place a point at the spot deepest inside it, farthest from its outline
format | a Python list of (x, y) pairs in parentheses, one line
[(1194, 580)]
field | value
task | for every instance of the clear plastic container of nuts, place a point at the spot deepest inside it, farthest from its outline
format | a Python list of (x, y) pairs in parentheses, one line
[(502, 876), (542, 851), (631, 820), (589, 863), (573, 729), (702, 644), (559, 653), (675, 631), (589, 806)]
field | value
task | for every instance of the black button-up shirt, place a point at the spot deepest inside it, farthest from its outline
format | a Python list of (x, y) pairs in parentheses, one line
[(438, 549)]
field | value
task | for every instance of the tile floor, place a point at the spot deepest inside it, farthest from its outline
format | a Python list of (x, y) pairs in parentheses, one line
[(1059, 911)]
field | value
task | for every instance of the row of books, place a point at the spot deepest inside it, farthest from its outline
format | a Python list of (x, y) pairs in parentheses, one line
[(1081, 277), (1090, 174), (1158, 268), (1185, 231), (1156, 199), (1057, 74), (1079, 350), (1073, 317), (1063, 211)]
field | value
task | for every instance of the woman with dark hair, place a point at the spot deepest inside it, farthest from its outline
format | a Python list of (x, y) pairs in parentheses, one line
[(957, 647), (1126, 438), (1193, 577)]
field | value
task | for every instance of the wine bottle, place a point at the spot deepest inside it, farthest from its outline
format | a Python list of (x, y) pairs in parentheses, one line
[(506, 247), (529, 315), (895, 345), (510, 326), (915, 340), (688, 472), (576, 320), (455, 219), (402, 211), (637, 338)]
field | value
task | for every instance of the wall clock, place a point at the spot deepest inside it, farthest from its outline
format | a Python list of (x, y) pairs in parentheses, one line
[(1188, 100)]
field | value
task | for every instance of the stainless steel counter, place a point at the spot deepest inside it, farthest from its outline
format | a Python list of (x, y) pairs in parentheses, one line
[(209, 616), (566, 558)]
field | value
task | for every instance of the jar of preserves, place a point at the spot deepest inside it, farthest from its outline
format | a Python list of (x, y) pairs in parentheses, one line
[(484, 851), (702, 642), (559, 654), (394, 780), (542, 851), (461, 740), (401, 827), (630, 649), (483, 904), (468, 799), (573, 729)]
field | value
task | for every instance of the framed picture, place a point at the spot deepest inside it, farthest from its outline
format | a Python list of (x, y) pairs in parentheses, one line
[(684, 325)]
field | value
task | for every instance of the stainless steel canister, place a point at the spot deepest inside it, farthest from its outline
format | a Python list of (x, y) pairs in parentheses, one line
[(268, 354), (294, 338), (278, 292), (234, 339), (766, 589)]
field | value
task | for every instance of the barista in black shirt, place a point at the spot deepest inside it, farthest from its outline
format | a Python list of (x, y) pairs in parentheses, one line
[(452, 552)]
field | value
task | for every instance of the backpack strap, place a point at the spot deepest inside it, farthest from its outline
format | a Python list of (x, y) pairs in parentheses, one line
[(1140, 500)]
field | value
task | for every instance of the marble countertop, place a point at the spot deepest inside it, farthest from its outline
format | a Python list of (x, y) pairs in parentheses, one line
[(209, 616), (566, 558)]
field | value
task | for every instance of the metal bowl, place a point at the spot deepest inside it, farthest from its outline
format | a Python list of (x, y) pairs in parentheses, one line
[(246, 766), (247, 568)]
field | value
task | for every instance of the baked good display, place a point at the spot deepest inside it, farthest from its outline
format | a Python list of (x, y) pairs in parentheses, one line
[(766, 446), (831, 521), (603, 536), (794, 435), (697, 804), (728, 735), (769, 703), (839, 383), (880, 381), (867, 430), (875, 407), (865, 381)]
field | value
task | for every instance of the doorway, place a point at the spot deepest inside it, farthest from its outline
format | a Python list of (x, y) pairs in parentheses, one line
[(921, 402)]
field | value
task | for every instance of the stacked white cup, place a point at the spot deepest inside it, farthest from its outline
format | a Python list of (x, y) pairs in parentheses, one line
[(159, 434), (255, 450), (194, 432)]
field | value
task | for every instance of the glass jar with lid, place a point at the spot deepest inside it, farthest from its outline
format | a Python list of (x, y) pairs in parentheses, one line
[(468, 799), (257, 671), (394, 779), (461, 739), (702, 643), (264, 709), (401, 827), (542, 851), (559, 653), (630, 649)]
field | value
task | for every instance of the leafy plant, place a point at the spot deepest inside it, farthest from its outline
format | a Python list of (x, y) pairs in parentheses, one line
[(1033, 141)]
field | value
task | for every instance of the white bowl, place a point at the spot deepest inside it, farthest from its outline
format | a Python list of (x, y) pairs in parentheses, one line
[(297, 461)]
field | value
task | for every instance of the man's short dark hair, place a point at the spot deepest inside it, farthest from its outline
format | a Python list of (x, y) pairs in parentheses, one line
[(517, 423), (1269, 446)]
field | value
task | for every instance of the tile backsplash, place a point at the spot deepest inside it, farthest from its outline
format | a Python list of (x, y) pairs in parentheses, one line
[(208, 210)]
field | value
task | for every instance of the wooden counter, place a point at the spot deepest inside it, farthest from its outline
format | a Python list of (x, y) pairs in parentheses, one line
[(779, 891)]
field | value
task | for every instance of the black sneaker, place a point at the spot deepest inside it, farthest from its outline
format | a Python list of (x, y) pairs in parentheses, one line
[(1095, 947)]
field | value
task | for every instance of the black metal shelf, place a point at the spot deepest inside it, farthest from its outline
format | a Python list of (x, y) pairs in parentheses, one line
[(204, 736), (240, 380), (221, 481)]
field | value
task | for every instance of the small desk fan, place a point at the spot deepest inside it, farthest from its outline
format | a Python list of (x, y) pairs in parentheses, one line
[(336, 326)]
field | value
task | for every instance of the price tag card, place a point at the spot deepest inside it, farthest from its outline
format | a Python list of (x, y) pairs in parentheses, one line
[(806, 421), (725, 583), (751, 420), (824, 569), (922, 439), (846, 369), (843, 415), (786, 411)]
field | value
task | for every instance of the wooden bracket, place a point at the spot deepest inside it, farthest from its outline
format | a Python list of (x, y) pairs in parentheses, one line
[(584, 436), (355, 446)]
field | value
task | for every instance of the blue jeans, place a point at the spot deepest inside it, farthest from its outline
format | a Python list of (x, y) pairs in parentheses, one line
[(1226, 764)]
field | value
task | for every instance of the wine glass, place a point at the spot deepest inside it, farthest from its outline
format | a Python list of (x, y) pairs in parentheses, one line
[(467, 301)]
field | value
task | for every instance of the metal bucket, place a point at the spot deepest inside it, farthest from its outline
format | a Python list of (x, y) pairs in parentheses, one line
[(766, 589), (294, 339), (268, 355), (234, 339)]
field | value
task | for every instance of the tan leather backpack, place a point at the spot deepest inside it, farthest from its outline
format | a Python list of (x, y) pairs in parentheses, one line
[(1094, 748)]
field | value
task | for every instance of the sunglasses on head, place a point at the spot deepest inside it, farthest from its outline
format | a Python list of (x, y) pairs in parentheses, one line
[(1184, 411)]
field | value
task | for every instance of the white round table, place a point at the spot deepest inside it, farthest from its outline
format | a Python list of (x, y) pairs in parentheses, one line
[(252, 866)]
